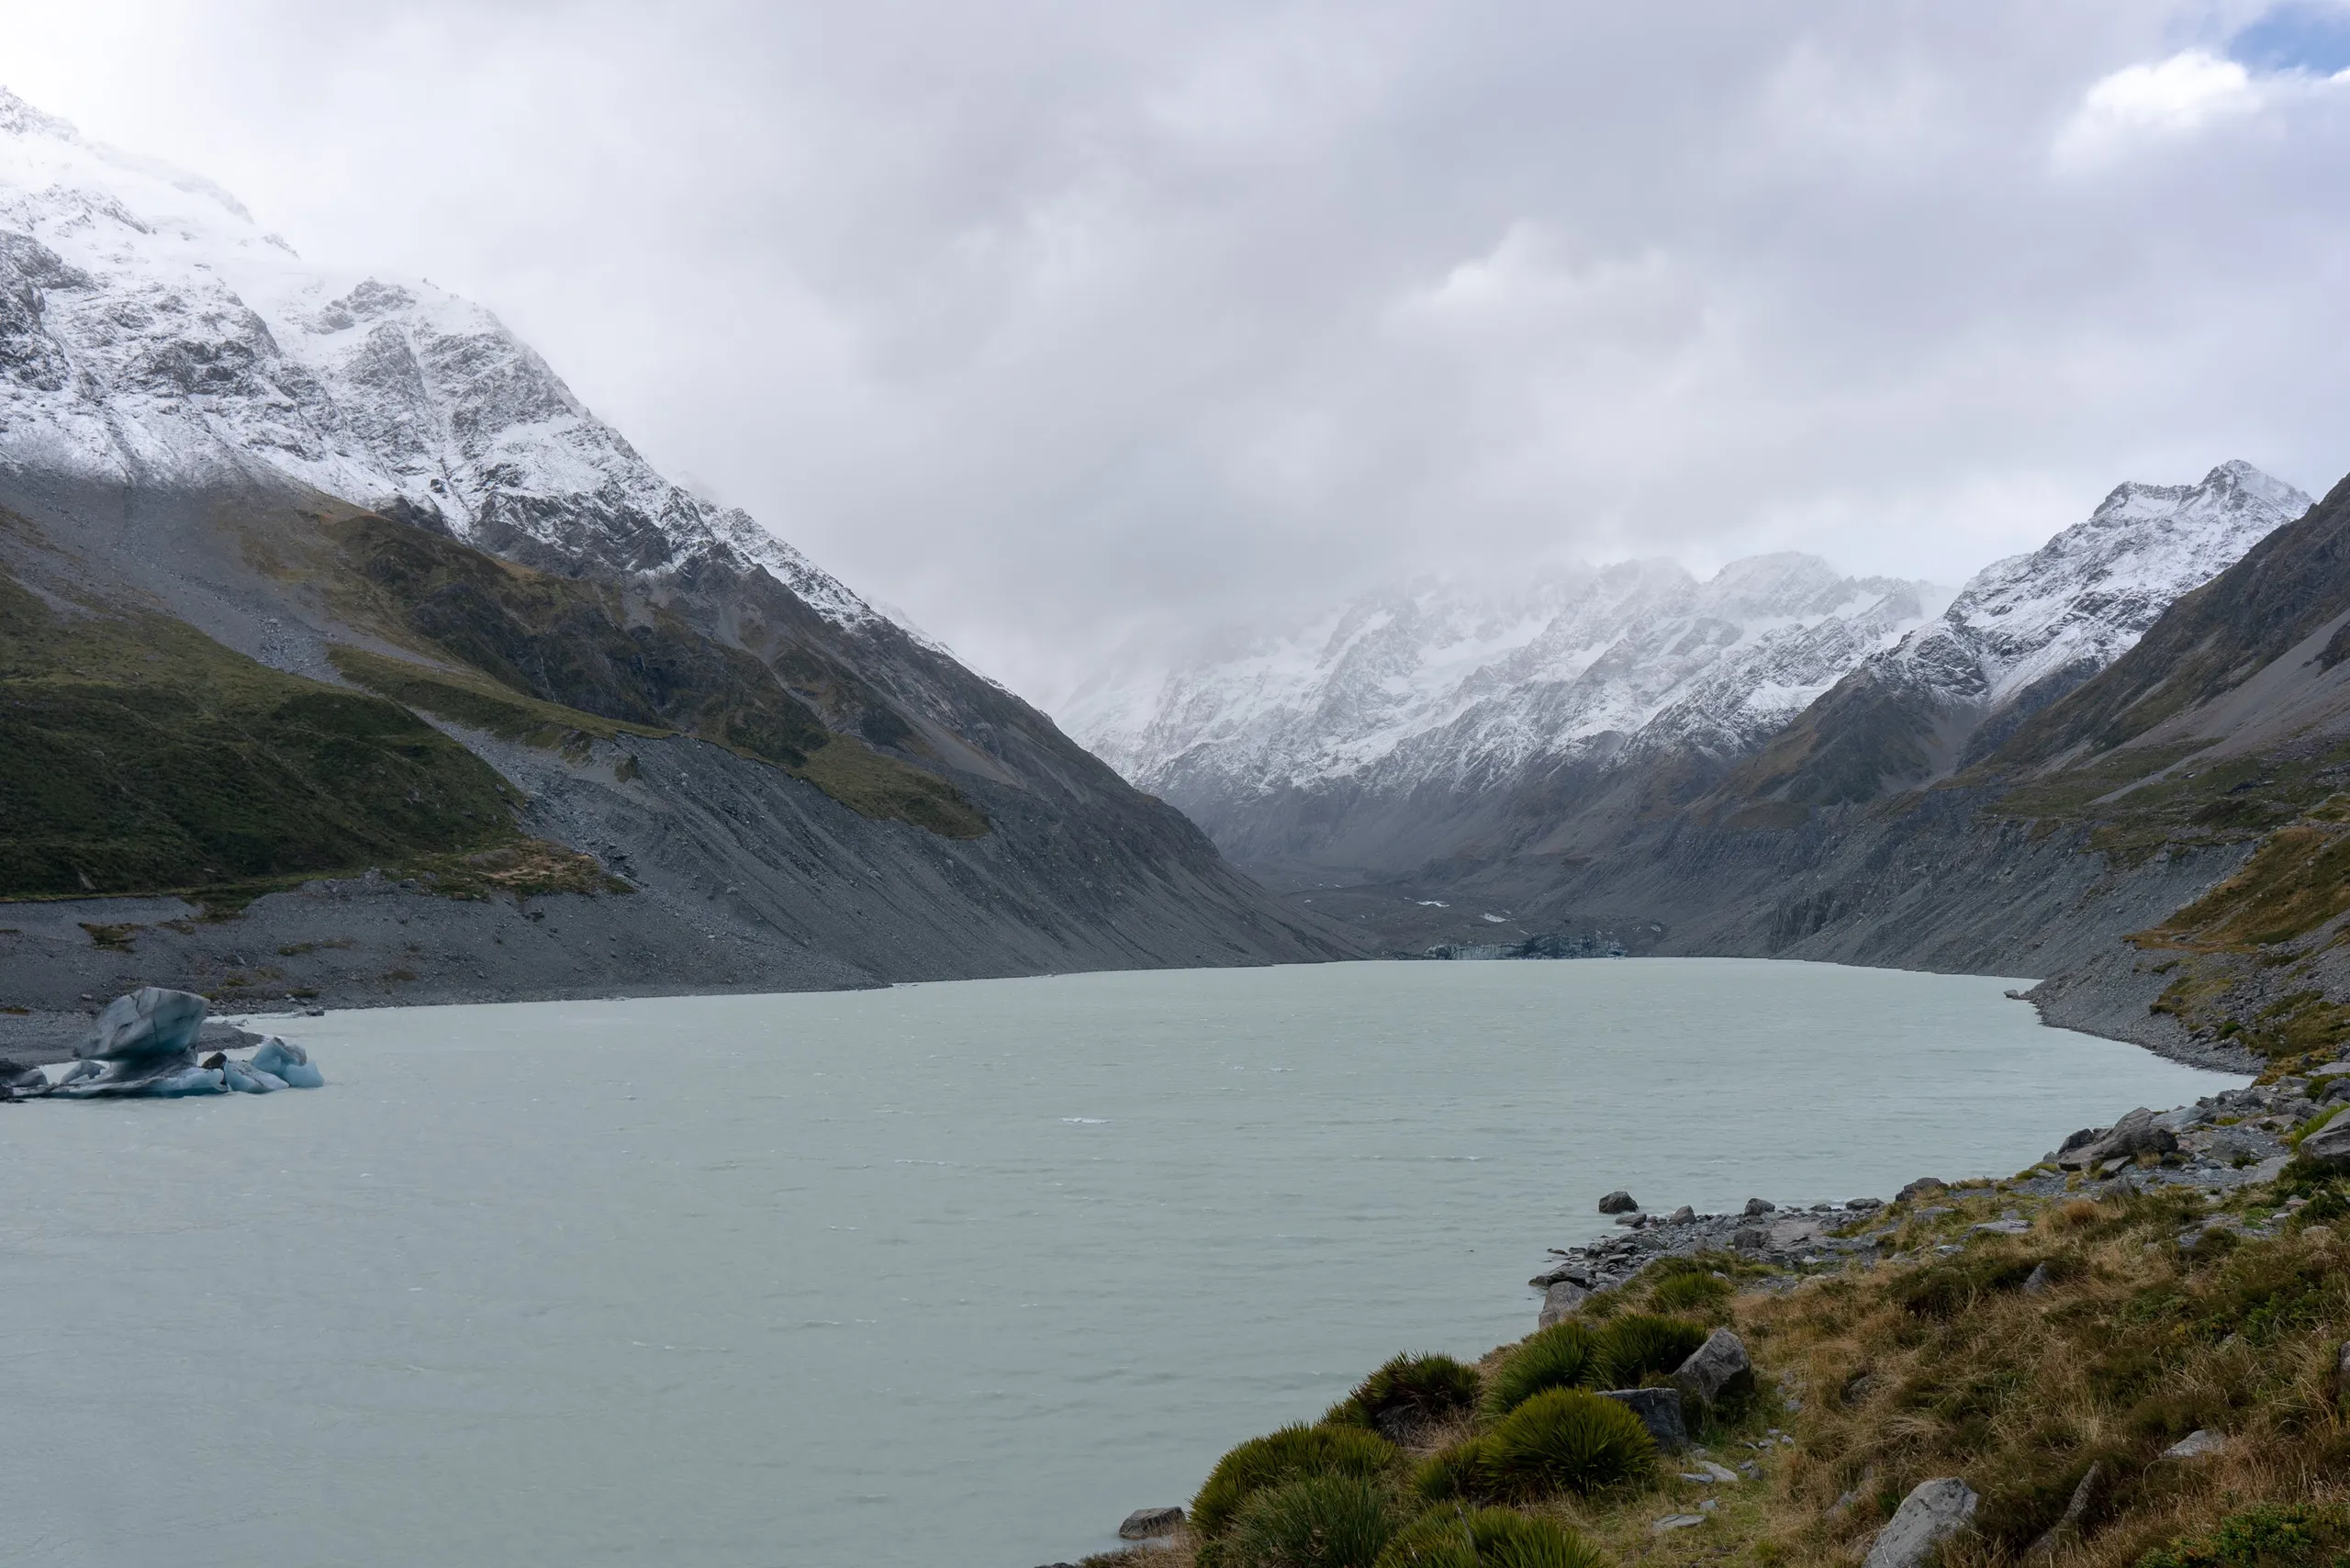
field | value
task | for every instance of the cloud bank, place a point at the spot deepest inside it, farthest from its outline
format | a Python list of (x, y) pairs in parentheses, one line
[(1062, 324)]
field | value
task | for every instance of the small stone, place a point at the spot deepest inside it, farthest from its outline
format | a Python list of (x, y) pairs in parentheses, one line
[(1714, 1368), (1933, 1512), (2196, 1444), (1862, 1205), (1659, 1410), (1681, 1215), (2037, 1280), (1145, 1523), (1618, 1202), (1677, 1521), (1722, 1473)]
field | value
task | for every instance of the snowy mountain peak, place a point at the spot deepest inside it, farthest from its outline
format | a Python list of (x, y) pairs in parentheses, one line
[(2040, 624), (150, 332)]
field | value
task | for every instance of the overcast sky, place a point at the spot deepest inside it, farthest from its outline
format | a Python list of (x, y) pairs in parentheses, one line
[(1056, 324)]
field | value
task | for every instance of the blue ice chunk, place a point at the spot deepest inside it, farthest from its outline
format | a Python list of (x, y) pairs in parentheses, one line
[(303, 1075), (247, 1079)]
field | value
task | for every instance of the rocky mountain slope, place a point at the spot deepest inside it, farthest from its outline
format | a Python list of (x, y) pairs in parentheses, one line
[(1377, 737), (299, 510)]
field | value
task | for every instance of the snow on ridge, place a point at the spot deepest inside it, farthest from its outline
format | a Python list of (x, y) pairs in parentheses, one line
[(148, 331), (1436, 681), (2085, 597)]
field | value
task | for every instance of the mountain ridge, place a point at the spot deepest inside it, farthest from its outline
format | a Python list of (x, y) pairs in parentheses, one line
[(376, 487)]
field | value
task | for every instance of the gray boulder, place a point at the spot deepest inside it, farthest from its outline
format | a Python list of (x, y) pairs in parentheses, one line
[(1681, 1215), (2196, 1444), (19, 1081), (1921, 1188), (1618, 1202), (150, 1021), (1750, 1238), (1933, 1512), (1714, 1367), (2330, 1145), (2336, 1089), (1659, 1410), (1759, 1207), (2135, 1134), (1145, 1523), (1560, 1300)]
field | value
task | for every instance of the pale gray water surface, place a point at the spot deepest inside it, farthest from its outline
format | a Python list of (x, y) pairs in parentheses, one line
[(948, 1274)]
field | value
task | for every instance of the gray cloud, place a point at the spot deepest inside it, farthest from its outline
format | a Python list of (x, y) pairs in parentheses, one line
[(1055, 323)]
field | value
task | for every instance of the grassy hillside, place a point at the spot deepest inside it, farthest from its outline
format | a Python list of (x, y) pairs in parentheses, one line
[(2046, 1368), (138, 755), (553, 661)]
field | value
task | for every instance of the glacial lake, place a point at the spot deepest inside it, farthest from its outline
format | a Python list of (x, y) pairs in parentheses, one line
[(942, 1275)]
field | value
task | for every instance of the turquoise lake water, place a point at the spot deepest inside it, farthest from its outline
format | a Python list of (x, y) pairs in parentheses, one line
[(944, 1274)]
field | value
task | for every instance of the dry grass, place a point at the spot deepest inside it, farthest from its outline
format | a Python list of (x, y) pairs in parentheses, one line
[(1942, 1363)]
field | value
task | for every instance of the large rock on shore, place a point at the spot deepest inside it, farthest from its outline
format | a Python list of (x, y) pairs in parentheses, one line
[(2135, 1134), (1559, 1301), (1933, 1512)]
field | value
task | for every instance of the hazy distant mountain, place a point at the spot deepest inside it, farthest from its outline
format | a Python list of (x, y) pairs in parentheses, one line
[(1442, 695)]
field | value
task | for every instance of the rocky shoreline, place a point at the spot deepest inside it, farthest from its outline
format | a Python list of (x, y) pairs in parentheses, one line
[(2225, 1141)]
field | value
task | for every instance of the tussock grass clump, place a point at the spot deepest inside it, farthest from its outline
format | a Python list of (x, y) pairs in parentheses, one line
[(1317, 1521), (1565, 1440), (1489, 1538), (1698, 1294), (1946, 1288), (1409, 1395), (1290, 1455), (1454, 1475), (1641, 1345), (1564, 1355)]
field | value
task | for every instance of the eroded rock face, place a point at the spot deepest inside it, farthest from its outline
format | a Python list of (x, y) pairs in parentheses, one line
[(1933, 1512)]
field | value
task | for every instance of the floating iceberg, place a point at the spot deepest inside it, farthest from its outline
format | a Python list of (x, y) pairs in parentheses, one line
[(144, 1043)]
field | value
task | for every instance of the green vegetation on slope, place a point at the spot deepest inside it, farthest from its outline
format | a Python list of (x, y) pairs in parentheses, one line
[(138, 755), (553, 661)]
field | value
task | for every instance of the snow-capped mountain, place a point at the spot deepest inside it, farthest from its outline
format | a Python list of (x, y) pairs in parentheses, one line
[(1438, 685), (2078, 602), (1400, 707), (2022, 633), (150, 332)]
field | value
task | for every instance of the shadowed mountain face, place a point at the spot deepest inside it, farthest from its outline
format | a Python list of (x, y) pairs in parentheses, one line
[(452, 628)]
